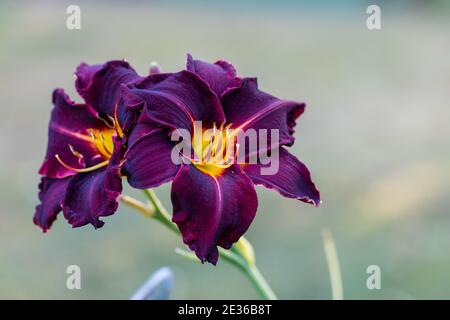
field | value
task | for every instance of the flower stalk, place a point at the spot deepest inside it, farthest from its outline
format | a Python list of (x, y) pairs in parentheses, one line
[(240, 255)]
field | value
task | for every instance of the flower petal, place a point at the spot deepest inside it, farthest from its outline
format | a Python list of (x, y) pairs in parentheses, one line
[(92, 195), (51, 195), (99, 85), (148, 162), (174, 100), (248, 107), (220, 75), (212, 211), (292, 179), (68, 132)]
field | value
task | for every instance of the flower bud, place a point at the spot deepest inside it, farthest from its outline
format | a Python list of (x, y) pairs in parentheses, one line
[(154, 68)]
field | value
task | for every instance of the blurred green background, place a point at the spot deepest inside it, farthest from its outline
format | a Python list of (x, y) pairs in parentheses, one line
[(375, 136)]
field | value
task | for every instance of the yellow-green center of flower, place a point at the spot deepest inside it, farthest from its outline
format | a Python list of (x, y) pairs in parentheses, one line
[(215, 149), (101, 141)]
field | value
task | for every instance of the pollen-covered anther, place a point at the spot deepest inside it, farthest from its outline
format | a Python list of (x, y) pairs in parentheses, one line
[(76, 153)]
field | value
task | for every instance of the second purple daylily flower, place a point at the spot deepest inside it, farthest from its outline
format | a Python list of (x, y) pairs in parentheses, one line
[(80, 173), (213, 204)]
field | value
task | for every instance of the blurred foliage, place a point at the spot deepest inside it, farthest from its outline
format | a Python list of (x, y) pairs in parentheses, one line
[(375, 136)]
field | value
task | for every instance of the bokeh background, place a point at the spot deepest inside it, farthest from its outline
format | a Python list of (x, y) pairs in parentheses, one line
[(375, 136)]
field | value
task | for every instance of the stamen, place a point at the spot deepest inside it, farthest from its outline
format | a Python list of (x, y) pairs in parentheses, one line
[(103, 141), (75, 153), (83, 170), (110, 124), (216, 140), (109, 148), (219, 148), (117, 124), (113, 121)]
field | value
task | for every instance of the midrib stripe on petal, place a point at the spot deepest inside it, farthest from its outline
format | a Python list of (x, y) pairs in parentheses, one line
[(67, 132), (264, 112)]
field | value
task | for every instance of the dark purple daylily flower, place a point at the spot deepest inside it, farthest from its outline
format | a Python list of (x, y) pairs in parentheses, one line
[(213, 205), (80, 172)]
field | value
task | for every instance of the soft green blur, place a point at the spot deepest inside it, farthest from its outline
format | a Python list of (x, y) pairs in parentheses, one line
[(375, 136)]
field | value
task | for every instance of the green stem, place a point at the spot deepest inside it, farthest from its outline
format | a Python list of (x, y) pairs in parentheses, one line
[(158, 212), (161, 213), (260, 283)]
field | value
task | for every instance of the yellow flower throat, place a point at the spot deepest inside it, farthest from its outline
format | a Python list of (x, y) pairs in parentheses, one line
[(102, 141), (215, 149)]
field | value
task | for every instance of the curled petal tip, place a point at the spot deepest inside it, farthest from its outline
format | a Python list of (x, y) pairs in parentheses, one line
[(220, 76), (44, 230)]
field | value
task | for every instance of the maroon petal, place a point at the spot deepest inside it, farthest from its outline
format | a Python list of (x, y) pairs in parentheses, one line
[(220, 75), (292, 180), (51, 195), (92, 195), (69, 131), (148, 162), (248, 107), (212, 211), (174, 100), (99, 85)]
